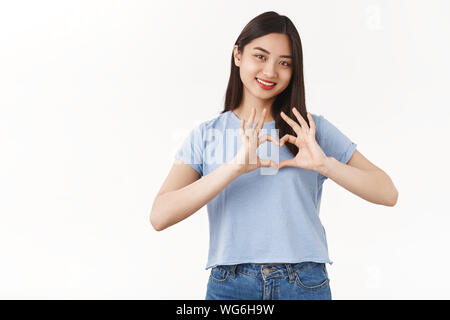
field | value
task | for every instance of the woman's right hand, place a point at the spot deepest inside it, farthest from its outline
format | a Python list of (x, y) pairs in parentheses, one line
[(246, 159)]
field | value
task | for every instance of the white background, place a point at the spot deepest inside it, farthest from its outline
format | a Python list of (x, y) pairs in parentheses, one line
[(95, 97)]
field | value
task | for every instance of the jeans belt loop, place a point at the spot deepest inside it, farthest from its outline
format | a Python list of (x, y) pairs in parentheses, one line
[(290, 272), (233, 270)]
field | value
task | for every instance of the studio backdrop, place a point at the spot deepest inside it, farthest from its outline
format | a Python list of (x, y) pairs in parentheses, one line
[(97, 96)]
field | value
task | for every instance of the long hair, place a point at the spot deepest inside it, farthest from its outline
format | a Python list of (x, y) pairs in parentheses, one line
[(294, 94)]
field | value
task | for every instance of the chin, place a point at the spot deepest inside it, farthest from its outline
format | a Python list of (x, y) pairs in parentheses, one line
[(264, 95)]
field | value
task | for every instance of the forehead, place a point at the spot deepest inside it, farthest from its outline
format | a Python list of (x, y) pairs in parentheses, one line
[(275, 43)]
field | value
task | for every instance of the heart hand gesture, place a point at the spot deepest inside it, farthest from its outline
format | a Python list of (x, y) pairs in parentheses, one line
[(246, 159), (310, 156)]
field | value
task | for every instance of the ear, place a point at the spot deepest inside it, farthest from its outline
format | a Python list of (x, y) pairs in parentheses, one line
[(237, 56)]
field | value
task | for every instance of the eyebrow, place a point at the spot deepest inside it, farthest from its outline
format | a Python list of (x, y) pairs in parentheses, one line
[(262, 49)]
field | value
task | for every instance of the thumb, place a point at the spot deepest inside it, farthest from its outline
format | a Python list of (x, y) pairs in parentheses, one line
[(269, 163), (287, 163)]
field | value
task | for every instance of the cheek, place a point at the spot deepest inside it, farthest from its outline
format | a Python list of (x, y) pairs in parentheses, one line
[(249, 70), (286, 78)]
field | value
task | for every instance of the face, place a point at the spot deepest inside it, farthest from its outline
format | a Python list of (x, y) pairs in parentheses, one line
[(267, 58)]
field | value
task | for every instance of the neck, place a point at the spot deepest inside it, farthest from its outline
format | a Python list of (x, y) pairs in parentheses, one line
[(249, 101)]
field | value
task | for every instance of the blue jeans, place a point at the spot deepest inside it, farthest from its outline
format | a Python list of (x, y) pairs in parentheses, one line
[(250, 281)]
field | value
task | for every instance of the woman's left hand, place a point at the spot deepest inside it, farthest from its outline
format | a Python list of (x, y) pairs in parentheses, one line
[(310, 156)]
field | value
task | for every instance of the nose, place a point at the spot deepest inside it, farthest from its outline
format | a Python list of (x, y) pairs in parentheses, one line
[(269, 71)]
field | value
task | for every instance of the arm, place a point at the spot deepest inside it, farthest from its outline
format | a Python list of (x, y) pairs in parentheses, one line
[(358, 176), (362, 178), (184, 193)]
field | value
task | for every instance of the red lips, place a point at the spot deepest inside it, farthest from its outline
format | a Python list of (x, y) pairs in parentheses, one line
[(263, 86), (266, 80)]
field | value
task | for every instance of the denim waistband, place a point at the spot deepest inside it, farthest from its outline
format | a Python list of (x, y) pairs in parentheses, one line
[(267, 271)]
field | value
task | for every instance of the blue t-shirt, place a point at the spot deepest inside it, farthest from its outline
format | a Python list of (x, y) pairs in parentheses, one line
[(266, 215)]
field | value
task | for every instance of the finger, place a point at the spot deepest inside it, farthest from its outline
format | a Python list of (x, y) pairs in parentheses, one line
[(267, 137), (268, 163), (252, 117), (260, 122), (286, 163), (311, 122), (294, 125), (300, 119), (241, 130), (289, 138)]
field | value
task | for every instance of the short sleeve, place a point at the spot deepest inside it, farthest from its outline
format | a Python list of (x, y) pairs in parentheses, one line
[(191, 150), (333, 142)]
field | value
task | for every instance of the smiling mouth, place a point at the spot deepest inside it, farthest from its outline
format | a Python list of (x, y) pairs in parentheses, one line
[(266, 83)]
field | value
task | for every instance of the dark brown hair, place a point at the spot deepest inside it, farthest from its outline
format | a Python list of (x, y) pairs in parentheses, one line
[(294, 94)]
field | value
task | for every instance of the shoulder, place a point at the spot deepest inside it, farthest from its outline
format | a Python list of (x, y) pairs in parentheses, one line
[(325, 129), (216, 122), (323, 125), (317, 118), (202, 129)]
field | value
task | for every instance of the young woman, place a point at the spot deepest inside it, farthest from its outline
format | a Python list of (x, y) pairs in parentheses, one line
[(266, 238)]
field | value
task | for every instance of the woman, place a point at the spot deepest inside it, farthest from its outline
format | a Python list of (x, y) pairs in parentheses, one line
[(266, 238)]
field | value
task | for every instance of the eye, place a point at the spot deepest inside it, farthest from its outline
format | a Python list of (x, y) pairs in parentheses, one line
[(259, 55), (286, 63)]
